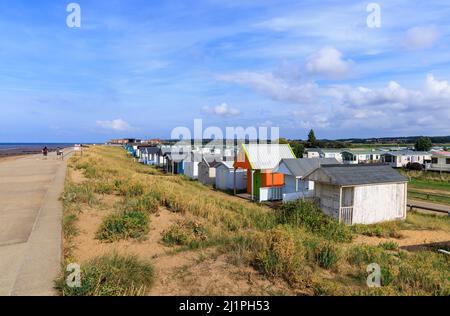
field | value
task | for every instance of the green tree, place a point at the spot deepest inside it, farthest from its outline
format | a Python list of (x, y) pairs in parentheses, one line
[(312, 141), (282, 140), (298, 149), (423, 144)]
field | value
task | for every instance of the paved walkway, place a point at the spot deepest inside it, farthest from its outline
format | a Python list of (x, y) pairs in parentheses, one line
[(420, 203), (30, 224)]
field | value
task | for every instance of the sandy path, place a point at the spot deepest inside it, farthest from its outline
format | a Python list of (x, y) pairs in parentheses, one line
[(410, 238)]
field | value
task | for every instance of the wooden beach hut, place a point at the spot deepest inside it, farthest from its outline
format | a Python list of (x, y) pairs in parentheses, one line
[(259, 160), (360, 194)]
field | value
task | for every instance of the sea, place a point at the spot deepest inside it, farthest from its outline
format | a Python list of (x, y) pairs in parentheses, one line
[(9, 149)]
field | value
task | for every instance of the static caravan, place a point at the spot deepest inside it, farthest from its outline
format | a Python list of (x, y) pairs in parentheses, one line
[(440, 161), (332, 153), (360, 194), (225, 177), (355, 157), (324, 153), (312, 153), (263, 184), (402, 158), (294, 171)]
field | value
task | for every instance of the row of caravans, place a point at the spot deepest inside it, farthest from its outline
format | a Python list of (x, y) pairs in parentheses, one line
[(351, 193), (434, 160)]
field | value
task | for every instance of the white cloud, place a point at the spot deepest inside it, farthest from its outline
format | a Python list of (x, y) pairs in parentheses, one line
[(116, 125), (328, 62), (421, 37), (273, 87), (391, 108), (437, 88), (279, 24), (222, 110)]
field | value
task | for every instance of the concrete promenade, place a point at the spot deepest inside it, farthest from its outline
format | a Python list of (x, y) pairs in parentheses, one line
[(30, 224)]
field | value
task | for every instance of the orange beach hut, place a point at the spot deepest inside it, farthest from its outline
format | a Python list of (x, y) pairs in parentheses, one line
[(260, 160)]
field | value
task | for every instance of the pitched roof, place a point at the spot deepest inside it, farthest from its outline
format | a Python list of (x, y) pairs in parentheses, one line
[(358, 174), (363, 151), (442, 153), (227, 163), (150, 150), (407, 152), (267, 156), (303, 166)]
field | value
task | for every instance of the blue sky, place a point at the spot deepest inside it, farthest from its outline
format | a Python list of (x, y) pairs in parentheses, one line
[(142, 68)]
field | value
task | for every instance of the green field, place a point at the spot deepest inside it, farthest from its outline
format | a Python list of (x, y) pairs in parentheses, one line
[(429, 186)]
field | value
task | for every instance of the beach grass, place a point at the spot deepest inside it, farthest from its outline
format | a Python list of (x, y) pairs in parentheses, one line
[(295, 244)]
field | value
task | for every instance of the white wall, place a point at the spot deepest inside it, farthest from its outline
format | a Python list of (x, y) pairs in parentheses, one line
[(225, 178), (191, 169), (379, 203)]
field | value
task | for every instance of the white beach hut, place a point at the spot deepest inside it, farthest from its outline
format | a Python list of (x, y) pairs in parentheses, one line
[(360, 194), (225, 176)]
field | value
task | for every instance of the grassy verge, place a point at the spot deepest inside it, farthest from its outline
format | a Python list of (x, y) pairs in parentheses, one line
[(429, 197), (111, 275), (296, 244)]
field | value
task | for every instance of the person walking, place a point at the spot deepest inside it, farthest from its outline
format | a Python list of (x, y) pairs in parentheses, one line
[(45, 152), (60, 152)]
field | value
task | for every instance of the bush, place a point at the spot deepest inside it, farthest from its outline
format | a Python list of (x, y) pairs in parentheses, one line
[(364, 254), (128, 224), (129, 189), (146, 204), (308, 215), (414, 166), (326, 255), (281, 257), (185, 233), (111, 275), (82, 193), (389, 245)]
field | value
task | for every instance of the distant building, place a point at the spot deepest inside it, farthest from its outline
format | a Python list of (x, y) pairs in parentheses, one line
[(154, 141), (401, 158), (440, 161), (124, 141), (356, 156), (335, 153)]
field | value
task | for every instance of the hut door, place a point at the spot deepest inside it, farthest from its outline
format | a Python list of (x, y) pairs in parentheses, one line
[(346, 211), (347, 197), (222, 179)]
